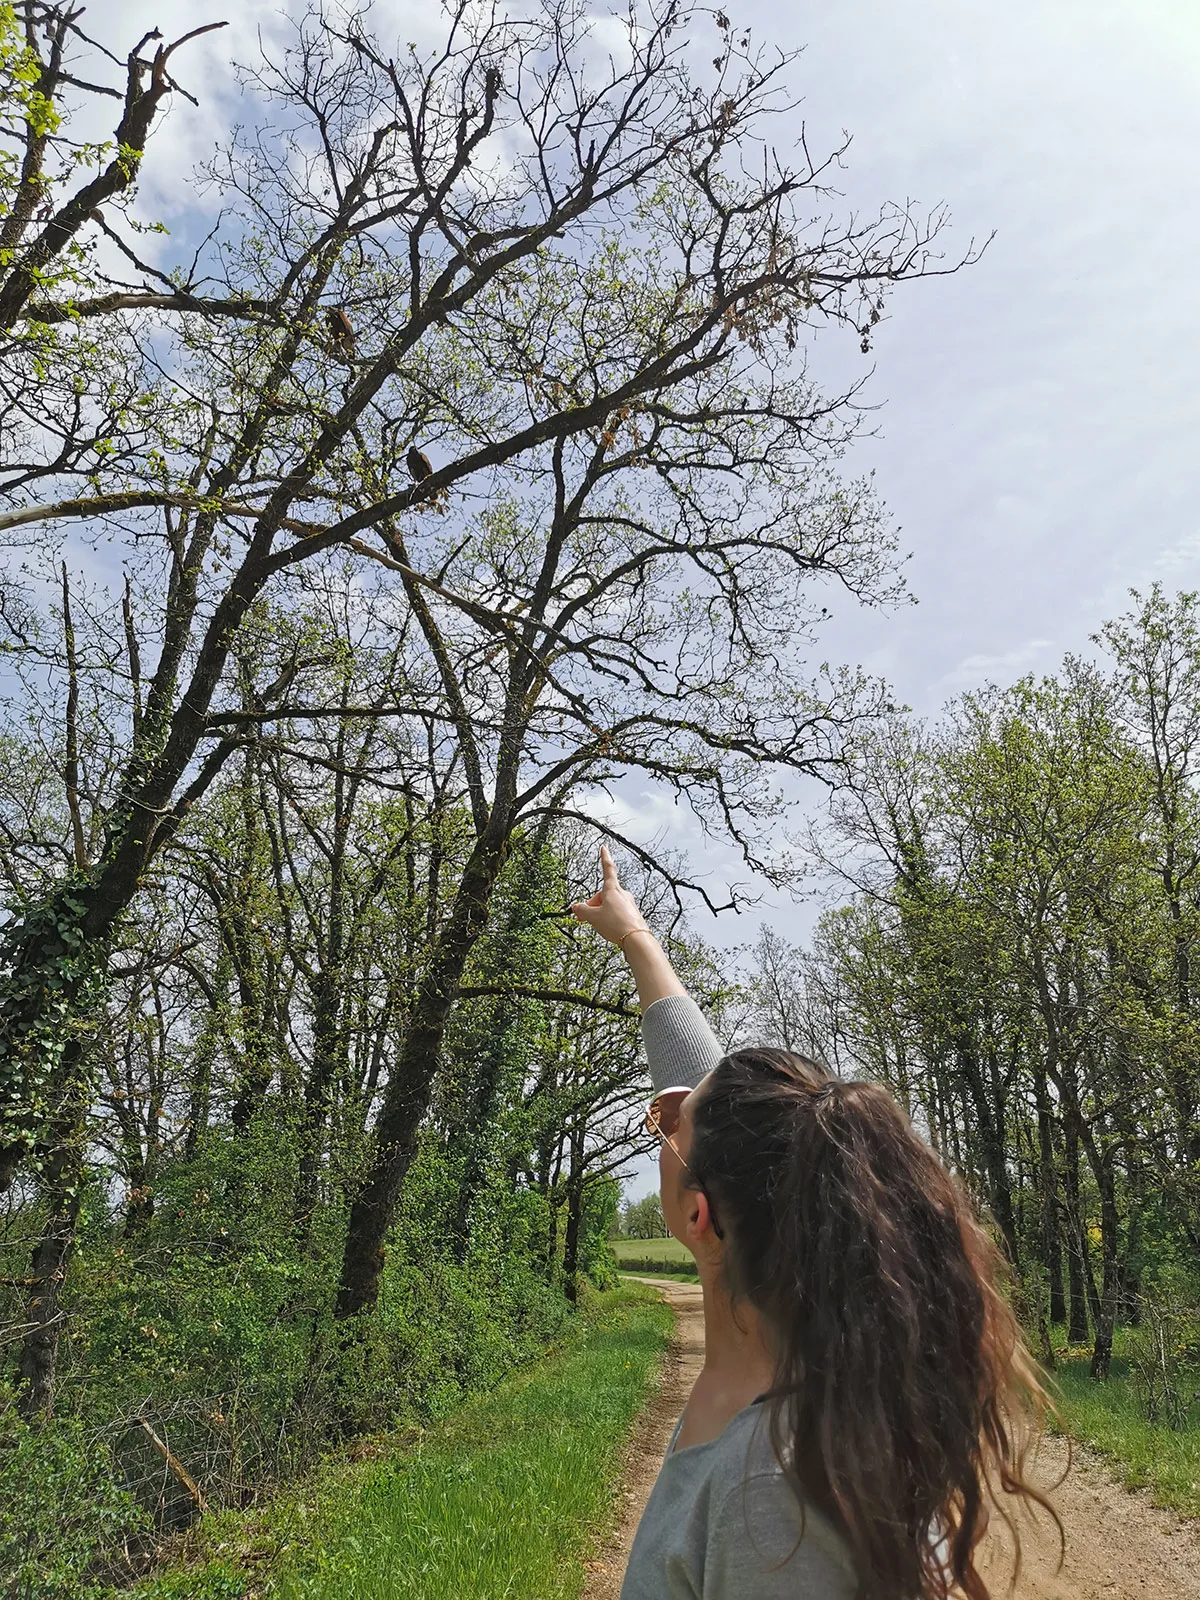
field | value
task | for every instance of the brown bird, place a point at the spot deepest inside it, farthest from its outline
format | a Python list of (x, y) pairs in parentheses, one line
[(341, 331), (418, 464)]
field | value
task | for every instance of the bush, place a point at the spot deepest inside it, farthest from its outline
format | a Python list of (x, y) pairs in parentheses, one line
[(597, 1224), (60, 1510), (209, 1324), (671, 1268), (503, 1498), (1164, 1361), (217, 1581)]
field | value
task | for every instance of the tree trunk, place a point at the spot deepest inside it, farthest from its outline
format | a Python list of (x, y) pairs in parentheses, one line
[(257, 1064), (410, 1084), (489, 1068), (55, 961), (571, 1241), (1001, 1195), (328, 1062), (552, 1201), (1050, 1237), (206, 1051), (139, 1204), (1109, 1243), (987, 1102), (1129, 1289), (330, 1053), (574, 1219), (51, 1257), (1077, 1322)]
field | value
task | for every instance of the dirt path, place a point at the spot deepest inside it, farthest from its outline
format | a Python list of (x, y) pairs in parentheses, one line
[(680, 1371), (1119, 1546)]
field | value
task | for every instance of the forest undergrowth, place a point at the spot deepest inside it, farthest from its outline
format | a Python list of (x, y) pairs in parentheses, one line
[(1144, 1451), (506, 1495)]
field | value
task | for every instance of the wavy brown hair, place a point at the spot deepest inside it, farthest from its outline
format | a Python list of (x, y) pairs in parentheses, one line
[(905, 1400)]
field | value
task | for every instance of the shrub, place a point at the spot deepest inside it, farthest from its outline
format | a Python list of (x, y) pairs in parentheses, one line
[(60, 1509), (1164, 1361)]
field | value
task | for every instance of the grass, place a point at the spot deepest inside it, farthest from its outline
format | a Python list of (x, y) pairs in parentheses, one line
[(502, 1501), (661, 1257), (679, 1274), (1106, 1417), (635, 1250)]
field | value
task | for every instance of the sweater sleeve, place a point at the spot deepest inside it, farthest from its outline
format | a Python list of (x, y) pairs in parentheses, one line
[(681, 1048)]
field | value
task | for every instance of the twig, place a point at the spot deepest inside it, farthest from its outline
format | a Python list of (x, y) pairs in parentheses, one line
[(176, 1466)]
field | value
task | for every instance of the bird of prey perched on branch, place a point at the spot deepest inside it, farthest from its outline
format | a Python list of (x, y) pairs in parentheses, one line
[(418, 464), (341, 332)]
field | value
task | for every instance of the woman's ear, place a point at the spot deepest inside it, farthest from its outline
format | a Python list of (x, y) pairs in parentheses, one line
[(697, 1217)]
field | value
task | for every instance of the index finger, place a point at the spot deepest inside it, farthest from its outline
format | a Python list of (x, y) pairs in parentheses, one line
[(609, 867)]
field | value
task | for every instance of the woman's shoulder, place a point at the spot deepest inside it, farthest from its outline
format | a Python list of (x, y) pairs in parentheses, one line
[(757, 1516), (723, 1522), (744, 1453)]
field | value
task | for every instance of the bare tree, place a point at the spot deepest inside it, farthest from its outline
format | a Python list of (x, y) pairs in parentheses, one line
[(520, 325)]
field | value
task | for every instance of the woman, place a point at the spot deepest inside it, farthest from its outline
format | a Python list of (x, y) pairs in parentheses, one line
[(864, 1382)]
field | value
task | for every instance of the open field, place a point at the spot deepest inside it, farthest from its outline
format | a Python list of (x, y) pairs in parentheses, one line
[(663, 1256)]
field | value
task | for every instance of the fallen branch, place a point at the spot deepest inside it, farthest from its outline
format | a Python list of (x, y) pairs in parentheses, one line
[(176, 1466)]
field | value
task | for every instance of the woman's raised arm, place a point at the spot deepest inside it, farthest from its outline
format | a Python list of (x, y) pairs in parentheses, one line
[(680, 1046), (614, 914)]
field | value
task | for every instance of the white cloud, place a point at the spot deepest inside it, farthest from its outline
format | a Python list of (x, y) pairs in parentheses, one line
[(975, 670), (1179, 564)]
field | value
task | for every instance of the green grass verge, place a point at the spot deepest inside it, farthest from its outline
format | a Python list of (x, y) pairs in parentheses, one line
[(662, 1270), (502, 1501), (1105, 1416)]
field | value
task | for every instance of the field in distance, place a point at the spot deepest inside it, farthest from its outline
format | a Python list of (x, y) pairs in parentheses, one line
[(641, 1255)]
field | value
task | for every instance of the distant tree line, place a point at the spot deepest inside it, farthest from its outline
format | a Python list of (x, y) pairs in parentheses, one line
[(643, 1219), (1018, 958)]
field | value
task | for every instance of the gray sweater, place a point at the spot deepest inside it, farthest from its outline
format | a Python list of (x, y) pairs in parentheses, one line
[(722, 1522), (681, 1048)]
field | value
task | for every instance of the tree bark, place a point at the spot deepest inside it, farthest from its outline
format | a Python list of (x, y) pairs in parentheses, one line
[(1077, 1328), (571, 1240), (1109, 1244), (1050, 1236), (988, 1105), (55, 962), (488, 1072), (410, 1084), (575, 1189), (1129, 1291), (328, 1061), (51, 1257), (199, 1102)]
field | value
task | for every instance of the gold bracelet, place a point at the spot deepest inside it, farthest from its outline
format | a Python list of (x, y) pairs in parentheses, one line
[(641, 928)]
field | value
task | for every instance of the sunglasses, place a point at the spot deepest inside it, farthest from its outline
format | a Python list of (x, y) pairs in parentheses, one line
[(662, 1120)]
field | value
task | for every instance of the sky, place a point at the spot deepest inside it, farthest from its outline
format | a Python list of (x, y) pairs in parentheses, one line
[(1037, 437)]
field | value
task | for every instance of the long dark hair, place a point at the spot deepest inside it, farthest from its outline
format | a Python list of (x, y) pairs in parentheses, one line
[(905, 1400)]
